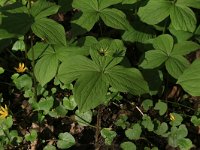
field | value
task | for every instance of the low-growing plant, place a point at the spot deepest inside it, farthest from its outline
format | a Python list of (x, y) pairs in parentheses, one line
[(111, 74)]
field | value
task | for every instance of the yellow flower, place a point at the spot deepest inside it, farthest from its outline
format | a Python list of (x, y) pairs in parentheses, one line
[(172, 117), (3, 112), (22, 68)]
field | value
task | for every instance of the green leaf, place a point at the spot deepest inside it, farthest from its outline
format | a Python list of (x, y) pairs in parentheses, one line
[(134, 132), (195, 121), (22, 22), (185, 144), (164, 42), (46, 68), (107, 53), (162, 129), (42, 8), (108, 135), (49, 147), (189, 3), (69, 103), (175, 65), (83, 119), (190, 80), (153, 59), (49, 30), (32, 136), (161, 106), (92, 17), (133, 35), (183, 18), (129, 1), (155, 11), (70, 70), (66, 140), (127, 80), (90, 90), (1, 70), (147, 123), (19, 45), (6, 123), (45, 104), (128, 146), (59, 111), (146, 104), (39, 48), (184, 48), (23, 82), (178, 119), (114, 18), (181, 35), (104, 3)]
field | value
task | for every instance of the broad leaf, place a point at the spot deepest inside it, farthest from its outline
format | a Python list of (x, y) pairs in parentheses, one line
[(183, 18), (190, 79), (114, 18), (184, 48), (73, 67), (50, 31), (164, 42), (45, 68), (105, 3), (161, 107), (107, 53), (66, 140), (153, 59), (127, 80), (133, 35), (189, 3), (92, 17), (175, 65), (90, 90), (181, 35), (155, 11), (42, 8)]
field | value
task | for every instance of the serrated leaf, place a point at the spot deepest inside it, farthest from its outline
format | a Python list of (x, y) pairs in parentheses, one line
[(175, 65), (184, 48), (127, 80), (153, 59), (90, 90), (190, 79), (23, 82), (46, 68), (114, 18), (195, 121), (49, 30), (45, 104), (161, 106), (183, 18), (42, 8), (66, 140), (147, 123), (155, 11)]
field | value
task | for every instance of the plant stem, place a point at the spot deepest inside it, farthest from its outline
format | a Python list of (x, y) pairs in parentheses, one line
[(98, 128)]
